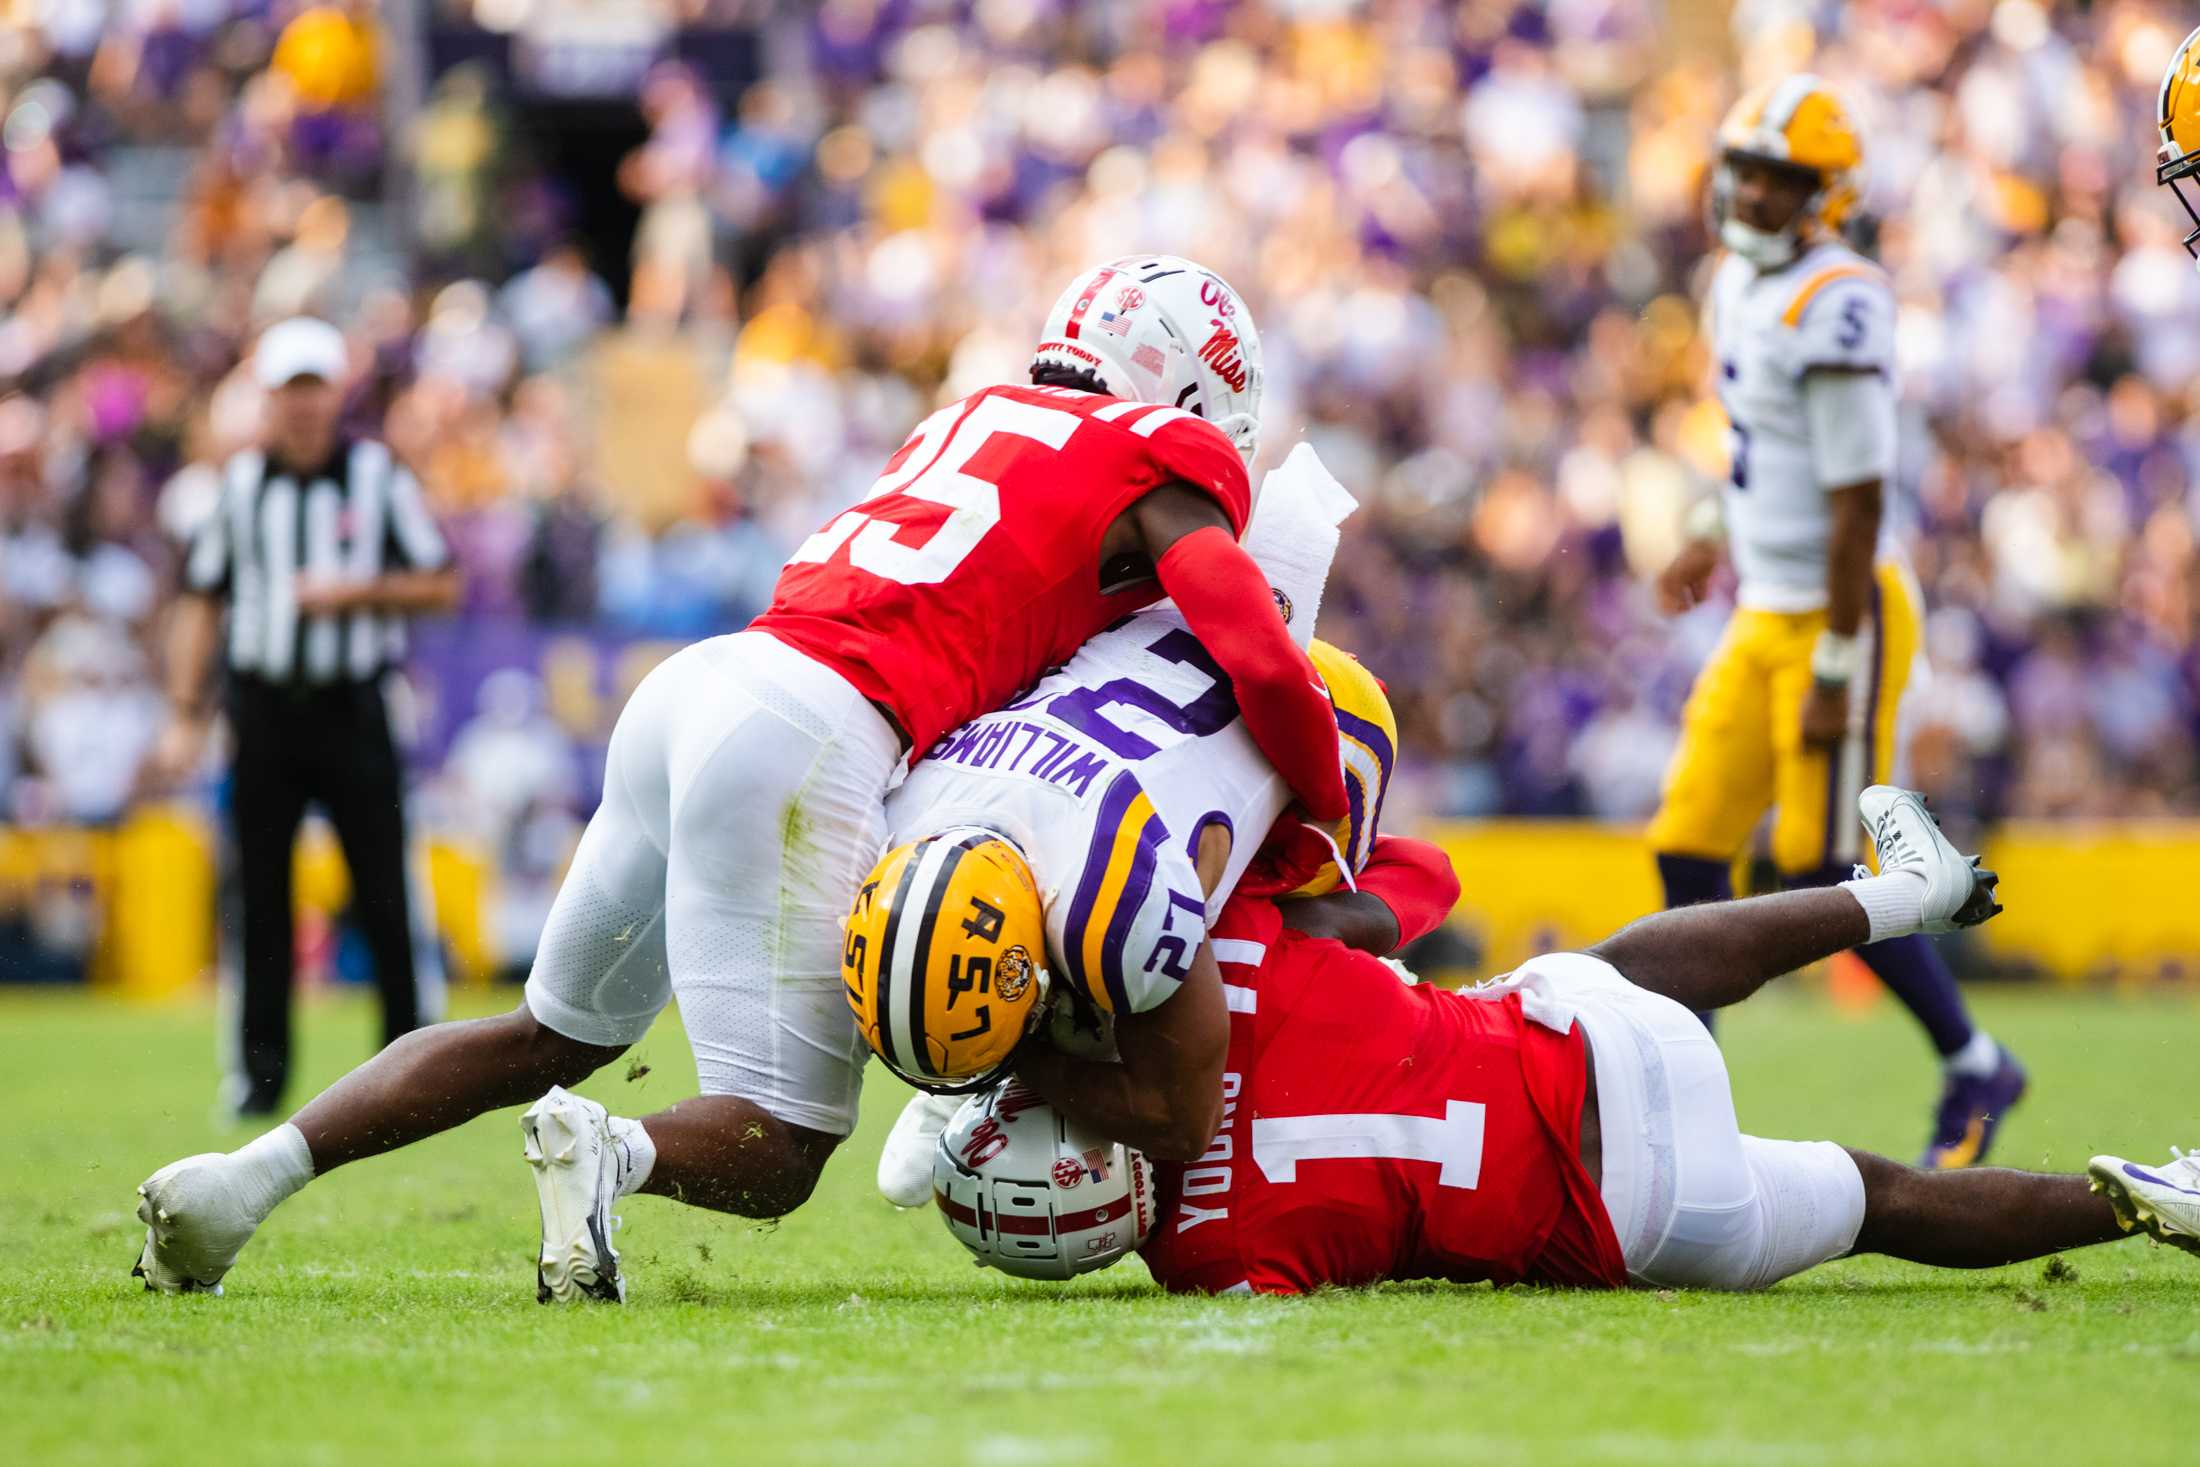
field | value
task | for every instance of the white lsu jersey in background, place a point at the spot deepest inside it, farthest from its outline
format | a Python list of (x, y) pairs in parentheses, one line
[(1830, 309), (1109, 772)]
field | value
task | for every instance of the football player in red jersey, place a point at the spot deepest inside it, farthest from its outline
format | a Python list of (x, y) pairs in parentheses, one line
[(744, 784), (1570, 1124)]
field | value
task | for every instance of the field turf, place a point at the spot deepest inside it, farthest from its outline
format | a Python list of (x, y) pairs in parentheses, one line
[(387, 1314)]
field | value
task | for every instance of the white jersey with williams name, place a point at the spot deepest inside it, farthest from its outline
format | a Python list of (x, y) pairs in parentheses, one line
[(1106, 776), (1830, 309), (1109, 772)]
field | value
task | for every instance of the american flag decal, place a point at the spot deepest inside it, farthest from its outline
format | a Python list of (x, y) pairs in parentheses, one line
[(1116, 322)]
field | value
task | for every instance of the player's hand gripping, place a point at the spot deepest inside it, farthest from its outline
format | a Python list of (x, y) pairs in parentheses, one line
[(1686, 581), (1825, 715)]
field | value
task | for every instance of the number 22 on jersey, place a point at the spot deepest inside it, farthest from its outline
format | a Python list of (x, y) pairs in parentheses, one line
[(936, 471)]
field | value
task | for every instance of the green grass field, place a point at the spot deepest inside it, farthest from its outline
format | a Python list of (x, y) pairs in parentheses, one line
[(388, 1314)]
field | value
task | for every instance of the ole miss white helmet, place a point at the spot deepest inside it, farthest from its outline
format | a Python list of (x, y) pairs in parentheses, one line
[(1034, 1195), (1161, 329)]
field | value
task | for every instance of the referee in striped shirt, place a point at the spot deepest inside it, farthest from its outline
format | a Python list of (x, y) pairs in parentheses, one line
[(318, 550)]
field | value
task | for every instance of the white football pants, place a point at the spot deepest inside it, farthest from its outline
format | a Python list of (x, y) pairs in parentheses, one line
[(742, 806), (1696, 1203)]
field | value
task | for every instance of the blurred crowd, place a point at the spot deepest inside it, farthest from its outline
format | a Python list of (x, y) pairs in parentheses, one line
[(1472, 233)]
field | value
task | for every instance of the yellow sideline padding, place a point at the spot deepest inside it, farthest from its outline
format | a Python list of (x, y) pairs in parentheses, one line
[(2094, 901), (2085, 901), (151, 886), (1538, 886), (2082, 900)]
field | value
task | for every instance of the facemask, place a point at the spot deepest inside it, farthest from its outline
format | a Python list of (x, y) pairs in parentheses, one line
[(1765, 251)]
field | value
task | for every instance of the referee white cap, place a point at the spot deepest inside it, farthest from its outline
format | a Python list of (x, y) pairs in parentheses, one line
[(302, 346)]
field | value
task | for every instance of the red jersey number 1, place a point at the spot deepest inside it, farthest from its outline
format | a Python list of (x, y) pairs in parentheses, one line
[(934, 473), (1452, 1140)]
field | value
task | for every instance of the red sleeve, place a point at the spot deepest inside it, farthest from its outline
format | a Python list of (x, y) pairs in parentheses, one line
[(1193, 451), (1415, 880), (1227, 604)]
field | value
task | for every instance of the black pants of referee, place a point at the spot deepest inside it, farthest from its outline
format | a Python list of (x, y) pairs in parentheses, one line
[(329, 746)]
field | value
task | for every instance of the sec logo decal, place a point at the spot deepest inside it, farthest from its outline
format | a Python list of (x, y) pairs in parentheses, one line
[(1068, 1172)]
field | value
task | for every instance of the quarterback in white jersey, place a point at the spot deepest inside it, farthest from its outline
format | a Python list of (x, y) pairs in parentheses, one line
[(1806, 370), (1798, 706)]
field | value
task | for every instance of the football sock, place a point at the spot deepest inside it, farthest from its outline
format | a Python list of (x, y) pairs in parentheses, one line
[(270, 1169), (1895, 903), (637, 1153), (1978, 1059), (1912, 969), (1692, 879)]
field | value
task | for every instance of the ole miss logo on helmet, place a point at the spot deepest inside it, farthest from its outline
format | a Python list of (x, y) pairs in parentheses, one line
[(1221, 350)]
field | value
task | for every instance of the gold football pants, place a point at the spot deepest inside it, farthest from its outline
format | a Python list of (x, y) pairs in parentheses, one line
[(1741, 745)]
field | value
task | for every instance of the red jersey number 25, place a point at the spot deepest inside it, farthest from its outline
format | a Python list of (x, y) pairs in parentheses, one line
[(934, 472)]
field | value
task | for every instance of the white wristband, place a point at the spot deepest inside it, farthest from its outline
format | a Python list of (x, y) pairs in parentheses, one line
[(1836, 659)]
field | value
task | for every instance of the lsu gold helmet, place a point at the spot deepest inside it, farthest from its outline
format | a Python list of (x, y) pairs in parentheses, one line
[(1797, 123), (944, 958), (2178, 116), (1367, 733)]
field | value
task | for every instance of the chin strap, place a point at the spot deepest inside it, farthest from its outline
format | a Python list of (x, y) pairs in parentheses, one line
[(1765, 251), (1344, 867)]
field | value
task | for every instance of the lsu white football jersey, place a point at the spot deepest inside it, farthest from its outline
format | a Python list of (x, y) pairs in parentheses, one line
[(1109, 772), (1106, 776), (1829, 309)]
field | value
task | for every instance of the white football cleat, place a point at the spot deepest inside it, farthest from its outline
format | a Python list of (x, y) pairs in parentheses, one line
[(568, 1143), (196, 1222), (905, 1163), (1958, 891), (2161, 1201)]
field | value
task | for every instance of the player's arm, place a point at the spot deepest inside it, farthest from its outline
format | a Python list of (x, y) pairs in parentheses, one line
[(1851, 415), (1406, 892), (1226, 602), (1165, 1096), (1686, 579), (1719, 953)]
